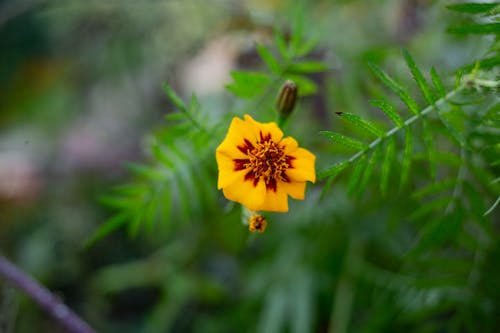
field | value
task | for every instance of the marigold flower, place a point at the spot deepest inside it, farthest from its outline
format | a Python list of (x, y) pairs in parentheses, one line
[(259, 168)]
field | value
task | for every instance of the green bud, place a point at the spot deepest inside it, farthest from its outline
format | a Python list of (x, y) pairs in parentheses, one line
[(286, 100)]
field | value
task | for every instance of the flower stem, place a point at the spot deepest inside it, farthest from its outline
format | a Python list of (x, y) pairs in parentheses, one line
[(41, 295)]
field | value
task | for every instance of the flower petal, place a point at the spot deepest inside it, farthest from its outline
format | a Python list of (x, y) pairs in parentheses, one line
[(296, 190), (302, 166), (275, 201), (290, 145), (246, 194), (227, 174), (265, 128)]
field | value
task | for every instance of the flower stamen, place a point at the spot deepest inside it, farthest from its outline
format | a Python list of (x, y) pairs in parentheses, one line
[(266, 160)]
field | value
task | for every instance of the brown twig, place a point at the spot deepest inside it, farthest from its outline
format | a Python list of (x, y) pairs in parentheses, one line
[(41, 295)]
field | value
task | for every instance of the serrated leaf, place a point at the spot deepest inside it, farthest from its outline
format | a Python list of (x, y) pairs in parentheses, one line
[(419, 78), (344, 140), (407, 157), (269, 59), (479, 29), (356, 174), (361, 123), (396, 88), (386, 165), (332, 171), (472, 7), (388, 109), (438, 83), (306, 67), (248, 84)]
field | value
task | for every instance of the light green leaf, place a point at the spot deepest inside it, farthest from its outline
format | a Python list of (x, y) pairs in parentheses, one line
[(106, 228), (356, 175), (174, 98), (333, 171), (306, 67), (248, 84), (438, 83), (269, 59)]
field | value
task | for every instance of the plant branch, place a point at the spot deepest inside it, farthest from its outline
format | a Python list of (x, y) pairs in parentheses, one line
[(41, 295)]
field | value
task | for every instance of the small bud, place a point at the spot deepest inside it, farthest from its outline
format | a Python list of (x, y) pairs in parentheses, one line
[(286, 100), (258, 223)]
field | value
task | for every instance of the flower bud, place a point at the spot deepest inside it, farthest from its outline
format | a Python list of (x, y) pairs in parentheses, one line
[(258, 223), (286, 100)]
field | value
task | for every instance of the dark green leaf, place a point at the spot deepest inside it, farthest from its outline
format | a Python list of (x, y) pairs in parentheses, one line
[(332, 171), (356, 175), (361, 123), (419, 78), (344, 140), (472, 7), (396, 88), (106, 228), (481, 29), (386, 165), (438, 83), (407, 157), (434, 188), (388, 109)]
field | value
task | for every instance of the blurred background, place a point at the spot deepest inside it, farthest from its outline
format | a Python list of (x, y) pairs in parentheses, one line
[(81, 88)]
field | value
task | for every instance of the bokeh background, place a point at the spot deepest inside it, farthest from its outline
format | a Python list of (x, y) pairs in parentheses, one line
[(80, 91)]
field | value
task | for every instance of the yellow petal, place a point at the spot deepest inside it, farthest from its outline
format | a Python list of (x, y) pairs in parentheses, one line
[(246, 193), (227, 174), (275, 201), (290, 145), (296, 190), (265, 128), (302, 166)]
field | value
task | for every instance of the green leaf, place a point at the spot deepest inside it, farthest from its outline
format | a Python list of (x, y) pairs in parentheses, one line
[(248, 84), (279, 41), (429, 207), (269, 59), (396, 88), (472, 7), (356, 174), (434, 188), (106, 228), (438, 231), (480, 29), (361, 123), (386, 165), (333, 171), (419, 78), (407, 157), (305, 86), (306, 67), (438, 83), (388, 109), (174, 98), (429, 144), (344, 140), (367, 173)]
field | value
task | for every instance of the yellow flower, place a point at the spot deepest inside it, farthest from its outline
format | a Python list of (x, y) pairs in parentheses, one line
[(259, 168)]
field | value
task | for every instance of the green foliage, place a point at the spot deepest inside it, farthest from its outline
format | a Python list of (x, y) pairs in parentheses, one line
[(400, 225)]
